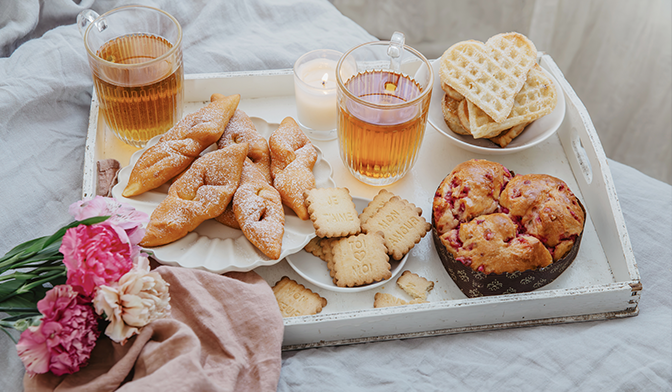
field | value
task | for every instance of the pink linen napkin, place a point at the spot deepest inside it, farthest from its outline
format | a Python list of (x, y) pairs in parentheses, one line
[(224, 334)]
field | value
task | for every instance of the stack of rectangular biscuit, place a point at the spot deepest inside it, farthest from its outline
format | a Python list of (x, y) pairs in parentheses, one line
[(357, 247)]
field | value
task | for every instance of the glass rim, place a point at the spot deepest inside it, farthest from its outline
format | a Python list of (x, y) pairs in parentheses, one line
[(426, 91), (303, 83), (164, 56)]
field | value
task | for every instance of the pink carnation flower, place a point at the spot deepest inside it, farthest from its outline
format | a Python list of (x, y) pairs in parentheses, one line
[(122, 217), (62, 343), (95, 255)]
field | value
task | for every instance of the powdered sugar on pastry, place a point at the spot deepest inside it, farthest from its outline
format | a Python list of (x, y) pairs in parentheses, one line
[(292, 159), (181, 145), (201, 193), (258, 209), (241, 129)]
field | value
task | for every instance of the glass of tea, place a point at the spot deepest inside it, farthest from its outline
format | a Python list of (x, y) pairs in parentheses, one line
[(135, 55), (384, 90)]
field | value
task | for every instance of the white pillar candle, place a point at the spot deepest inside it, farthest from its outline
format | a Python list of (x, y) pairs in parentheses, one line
[(315, 89)]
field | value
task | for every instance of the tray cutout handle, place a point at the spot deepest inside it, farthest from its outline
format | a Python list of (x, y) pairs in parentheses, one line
[(581, 155)]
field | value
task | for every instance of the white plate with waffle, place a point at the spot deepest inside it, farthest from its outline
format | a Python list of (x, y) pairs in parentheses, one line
[(213, 246), (535, 133)]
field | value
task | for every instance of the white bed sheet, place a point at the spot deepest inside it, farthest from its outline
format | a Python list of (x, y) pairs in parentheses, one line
[(45, 93)]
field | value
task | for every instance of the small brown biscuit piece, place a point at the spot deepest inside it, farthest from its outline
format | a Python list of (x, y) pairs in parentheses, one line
[(383, 300), (401, 223), (463, 115), (332, 212), (374, 205), (415, 285), (506, 137), (450, 109), (295, 299), (314, 247), (321, 247), (328, 253), (360, 259), (451, 92)]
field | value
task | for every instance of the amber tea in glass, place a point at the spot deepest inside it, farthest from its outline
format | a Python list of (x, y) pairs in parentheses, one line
[(382, 113), (136, 60)]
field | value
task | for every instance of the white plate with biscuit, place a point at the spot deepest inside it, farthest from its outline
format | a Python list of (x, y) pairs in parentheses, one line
[(213, 246), (314, 270), (535, 133)]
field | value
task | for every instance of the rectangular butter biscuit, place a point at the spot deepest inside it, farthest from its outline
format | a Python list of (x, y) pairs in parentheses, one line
[(294, 299), (332, 212), (402, 225), (360, 259), (383, 300), (415, 285)]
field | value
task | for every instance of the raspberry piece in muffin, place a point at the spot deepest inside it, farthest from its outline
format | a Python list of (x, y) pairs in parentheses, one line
[(491, 244), (472, 189), (546, 209)]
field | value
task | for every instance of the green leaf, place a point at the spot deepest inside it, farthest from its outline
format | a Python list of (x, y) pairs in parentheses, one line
[(9, 334), (25, 299), (58, 235), (9, 287), (21, 248), (19, 303)]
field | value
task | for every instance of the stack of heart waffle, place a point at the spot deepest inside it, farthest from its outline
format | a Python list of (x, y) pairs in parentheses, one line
[(494, 90)]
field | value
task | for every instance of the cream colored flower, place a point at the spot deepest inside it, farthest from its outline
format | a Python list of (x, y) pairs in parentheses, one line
[(139, 298)]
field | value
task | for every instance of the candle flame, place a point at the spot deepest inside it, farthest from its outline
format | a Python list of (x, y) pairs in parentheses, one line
[(324, 79)]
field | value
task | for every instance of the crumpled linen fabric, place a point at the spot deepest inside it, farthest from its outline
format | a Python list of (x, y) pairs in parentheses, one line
[(224, 334)]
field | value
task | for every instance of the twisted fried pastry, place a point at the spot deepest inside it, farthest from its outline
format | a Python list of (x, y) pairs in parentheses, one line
[(292, 159), (181, 145), (258, 209), (242, 130), (201, 193)]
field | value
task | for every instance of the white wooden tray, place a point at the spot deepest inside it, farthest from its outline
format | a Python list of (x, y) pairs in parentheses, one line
[(602, 283)]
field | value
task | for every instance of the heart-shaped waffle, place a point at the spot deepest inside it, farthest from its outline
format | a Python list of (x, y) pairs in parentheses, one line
[(489, 75), (537, 98)]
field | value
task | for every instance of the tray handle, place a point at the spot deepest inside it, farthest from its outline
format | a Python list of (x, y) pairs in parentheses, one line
[(591, 170)]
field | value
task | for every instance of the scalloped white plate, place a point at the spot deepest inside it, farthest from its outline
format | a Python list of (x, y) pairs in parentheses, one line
[(214, 246), (315, 270), (535, 133)]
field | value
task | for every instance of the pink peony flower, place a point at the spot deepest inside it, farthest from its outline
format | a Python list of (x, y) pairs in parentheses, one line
[(139, 298), (62, 343), (95, 255), (122, 217)]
